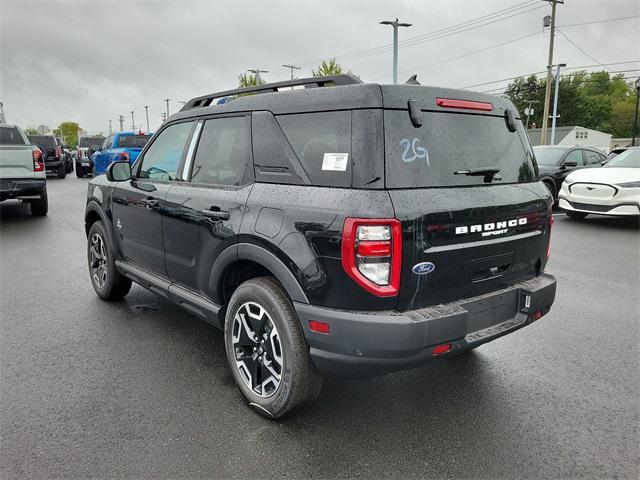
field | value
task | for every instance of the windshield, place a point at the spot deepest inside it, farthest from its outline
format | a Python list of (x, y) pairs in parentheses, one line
[(548, 156), (454, 149), (628, 158), (89, 141), (133, 141)]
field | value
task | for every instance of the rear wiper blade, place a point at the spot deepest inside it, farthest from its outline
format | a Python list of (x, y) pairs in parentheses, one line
[(489, 174)]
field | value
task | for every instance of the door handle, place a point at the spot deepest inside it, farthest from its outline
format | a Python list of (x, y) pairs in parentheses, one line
[(150, 202), (215, 214)]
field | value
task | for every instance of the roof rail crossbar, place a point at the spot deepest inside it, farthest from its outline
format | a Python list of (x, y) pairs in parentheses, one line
[(313, 82)]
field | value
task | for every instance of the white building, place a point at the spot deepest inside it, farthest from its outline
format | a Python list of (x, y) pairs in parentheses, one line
[(574, 136)]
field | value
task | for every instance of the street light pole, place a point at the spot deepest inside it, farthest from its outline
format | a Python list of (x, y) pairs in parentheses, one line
[(395, 24), (146, 113), (635, 117), (257, 72), (133, 122), (167, 100), (555, 103), (292, 68)]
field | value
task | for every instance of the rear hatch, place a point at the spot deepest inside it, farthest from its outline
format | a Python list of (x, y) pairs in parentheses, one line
[(48, 144), (133, 145), (464, 186)]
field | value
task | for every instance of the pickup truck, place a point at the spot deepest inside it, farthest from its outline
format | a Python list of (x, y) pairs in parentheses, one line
[(83, 161), (118, 146), (22, 170), (54, 156)]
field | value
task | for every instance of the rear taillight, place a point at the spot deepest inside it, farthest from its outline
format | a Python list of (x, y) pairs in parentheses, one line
[(79, 154), (38, 163), (58, 152), (551, 221), (372, 254), (124, 156)]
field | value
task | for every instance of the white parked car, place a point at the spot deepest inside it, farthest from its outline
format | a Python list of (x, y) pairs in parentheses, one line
[(611, 190)]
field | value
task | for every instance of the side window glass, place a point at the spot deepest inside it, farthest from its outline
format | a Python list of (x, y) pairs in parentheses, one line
[(575, 156), (592, 157), (162, 159), (223, 154), (322, 143)]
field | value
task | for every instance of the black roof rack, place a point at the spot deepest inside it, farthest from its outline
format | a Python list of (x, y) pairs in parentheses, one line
[(313, 82)]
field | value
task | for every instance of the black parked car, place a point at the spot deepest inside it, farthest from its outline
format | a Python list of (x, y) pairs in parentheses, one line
[(352, 230), (55, 159), (556, 162)]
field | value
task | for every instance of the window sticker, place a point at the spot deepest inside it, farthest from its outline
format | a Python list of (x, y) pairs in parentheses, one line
[(336, 162), (410, 146)]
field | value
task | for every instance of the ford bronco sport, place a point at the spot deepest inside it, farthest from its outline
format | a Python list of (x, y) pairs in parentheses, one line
[(352, 230)]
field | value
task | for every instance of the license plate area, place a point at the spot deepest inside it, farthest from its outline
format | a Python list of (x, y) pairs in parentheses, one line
[(492, 310)]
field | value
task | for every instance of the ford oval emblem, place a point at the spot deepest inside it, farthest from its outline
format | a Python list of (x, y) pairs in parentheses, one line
[(423, 268)]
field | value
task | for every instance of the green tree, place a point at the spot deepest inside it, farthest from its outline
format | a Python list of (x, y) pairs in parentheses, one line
[(31, 131), (249, 80), (69, 133), (328, 68)]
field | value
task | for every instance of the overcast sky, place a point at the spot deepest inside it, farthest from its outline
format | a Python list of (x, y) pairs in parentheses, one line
[(91, 61)]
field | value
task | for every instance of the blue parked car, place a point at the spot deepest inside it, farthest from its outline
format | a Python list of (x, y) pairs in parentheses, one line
[(117, 146)]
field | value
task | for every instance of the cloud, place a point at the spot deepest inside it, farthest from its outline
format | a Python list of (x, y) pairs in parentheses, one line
[(91, 61)]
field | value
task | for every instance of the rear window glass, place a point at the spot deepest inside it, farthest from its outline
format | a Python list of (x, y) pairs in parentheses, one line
[(43, 141), (446, 143), (322, 143), (90, 141), (10, 136), (133, 141)]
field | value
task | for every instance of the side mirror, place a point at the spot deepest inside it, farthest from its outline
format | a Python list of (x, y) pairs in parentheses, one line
[(570, 164), (119, 171)]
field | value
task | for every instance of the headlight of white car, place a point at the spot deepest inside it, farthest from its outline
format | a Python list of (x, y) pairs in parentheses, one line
[(629, 185)]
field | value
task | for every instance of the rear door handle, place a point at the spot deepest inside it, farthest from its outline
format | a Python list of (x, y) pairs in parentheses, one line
[(215, 214), (150, 202)]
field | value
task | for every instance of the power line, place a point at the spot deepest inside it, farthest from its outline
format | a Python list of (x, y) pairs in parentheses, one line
[(584, 80), (579, 48), (441, 33), (599, 21), (414, 69)]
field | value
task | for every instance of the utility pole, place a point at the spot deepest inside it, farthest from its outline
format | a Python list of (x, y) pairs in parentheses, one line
[(167, 100), (163, 115), (257, 73), (395, 24), (121, 120), (110, 129), (146, 113), (529, 111), (133, 122), (547, 92), (555, 104), (292, 68)]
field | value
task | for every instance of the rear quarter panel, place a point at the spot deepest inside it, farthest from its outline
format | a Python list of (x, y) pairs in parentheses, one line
[(302, 225)]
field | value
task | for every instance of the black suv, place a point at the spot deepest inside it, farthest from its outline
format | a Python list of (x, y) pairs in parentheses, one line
[(352, 230), (55, 159)]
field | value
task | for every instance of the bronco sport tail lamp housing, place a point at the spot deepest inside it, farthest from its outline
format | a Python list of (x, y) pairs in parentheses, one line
[(372, 254)]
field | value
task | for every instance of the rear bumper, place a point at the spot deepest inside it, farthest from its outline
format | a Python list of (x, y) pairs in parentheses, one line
[(363, 344), (54, 164), (21, 187)]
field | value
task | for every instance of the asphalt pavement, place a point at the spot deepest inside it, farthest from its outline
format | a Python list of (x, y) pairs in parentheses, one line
[(139, 388)]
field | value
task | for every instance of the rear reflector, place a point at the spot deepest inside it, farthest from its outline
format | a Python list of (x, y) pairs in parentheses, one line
[(537, 315), (320, 327), (440, 349), (464, 104)]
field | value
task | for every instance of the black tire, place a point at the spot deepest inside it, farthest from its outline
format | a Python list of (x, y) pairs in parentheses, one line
[(62, 172), (40, 207), (299, 381), (80, 173), (107, 282), (69, 166), (576, 215)]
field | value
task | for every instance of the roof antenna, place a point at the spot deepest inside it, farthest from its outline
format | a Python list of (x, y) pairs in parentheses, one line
[(413, 80)]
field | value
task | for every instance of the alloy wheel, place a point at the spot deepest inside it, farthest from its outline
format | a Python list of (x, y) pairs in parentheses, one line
[(257, 349), (98, 260)]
